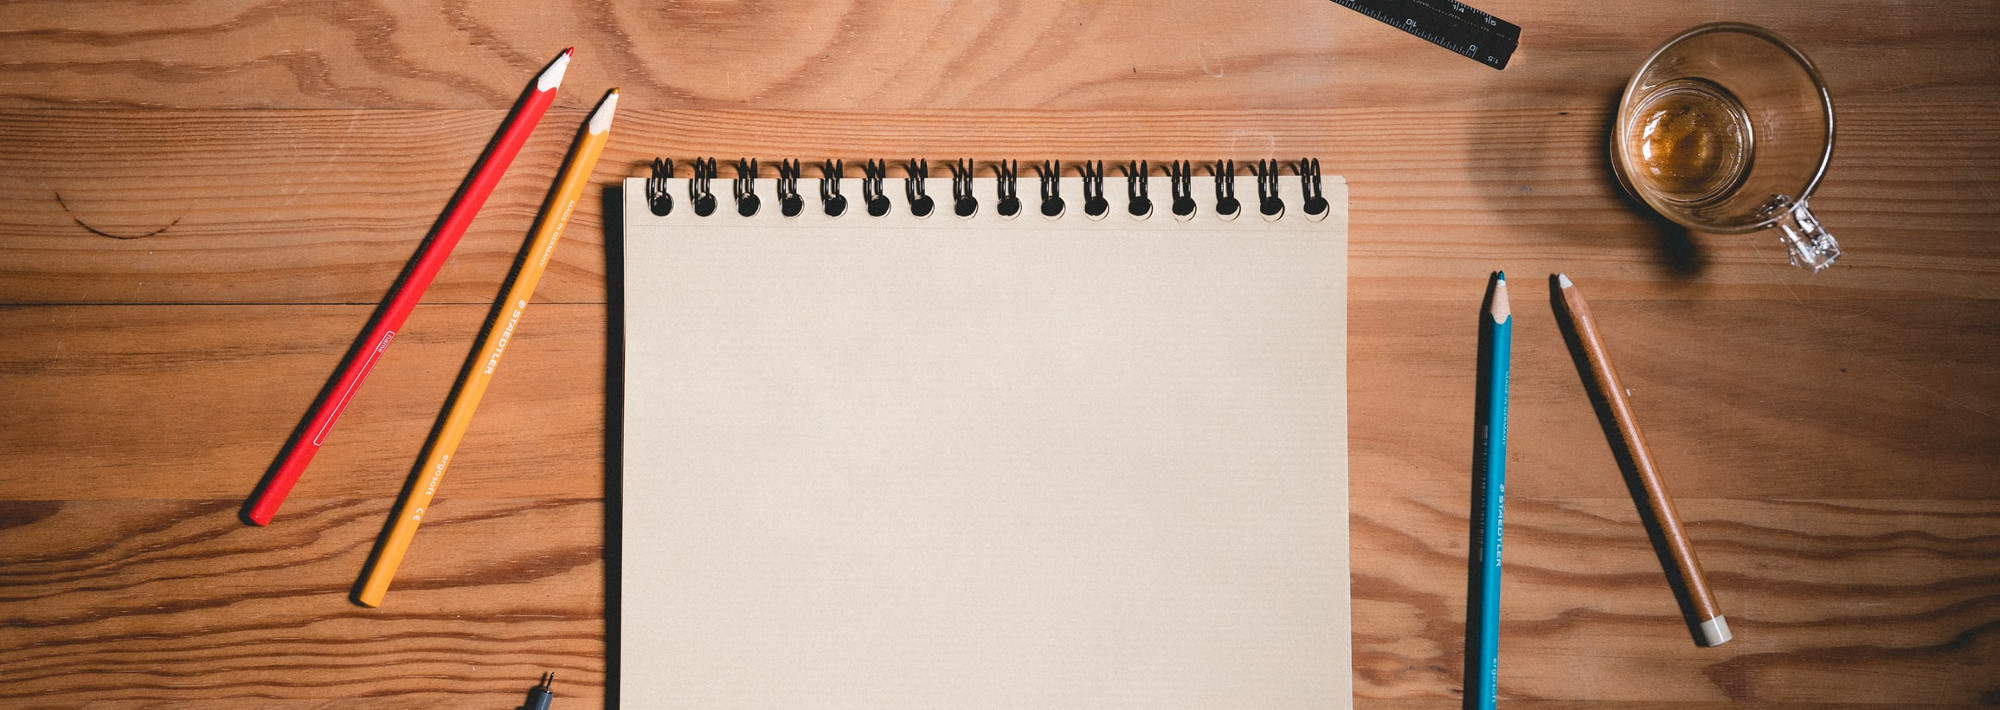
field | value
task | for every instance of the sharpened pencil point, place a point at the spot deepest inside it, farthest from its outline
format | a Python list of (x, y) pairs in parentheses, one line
[(553, 77), (600, 120), (1564, 280), (1500, 310)]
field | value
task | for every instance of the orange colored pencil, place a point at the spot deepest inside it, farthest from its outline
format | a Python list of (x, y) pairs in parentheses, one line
[(570, 185)]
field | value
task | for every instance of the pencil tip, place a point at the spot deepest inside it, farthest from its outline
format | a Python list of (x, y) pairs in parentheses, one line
[(1500, 310), (1563, 280), (1500, 276), (600, 120), (553, 77)]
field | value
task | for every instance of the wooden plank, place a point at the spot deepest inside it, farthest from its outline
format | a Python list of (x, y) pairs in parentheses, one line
[(178, 601), (1831, 438), (1834, 406), (1878, 602), (194, 402), (327, 206), (1044, 54)]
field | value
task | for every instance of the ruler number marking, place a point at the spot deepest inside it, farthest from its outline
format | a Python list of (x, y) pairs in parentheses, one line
[(1446, 24)]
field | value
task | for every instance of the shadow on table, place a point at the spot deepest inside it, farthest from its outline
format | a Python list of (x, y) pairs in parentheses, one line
[(1678, 253), (1511, 187)]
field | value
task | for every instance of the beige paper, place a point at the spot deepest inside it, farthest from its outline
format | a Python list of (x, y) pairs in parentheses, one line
[(881, 463)]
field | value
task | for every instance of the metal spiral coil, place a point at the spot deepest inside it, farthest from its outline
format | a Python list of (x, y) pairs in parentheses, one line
[(1094, 203), (873, 174), (1006, 173), (1181, 173), (789, 201), (745, 187), (1225, 188), (1050, 172), (918, 171), (830, 174), (699, 194), (963, 203), (1316, 203), (965, 200), (1139, 204), (657, 198), (1268, 201)]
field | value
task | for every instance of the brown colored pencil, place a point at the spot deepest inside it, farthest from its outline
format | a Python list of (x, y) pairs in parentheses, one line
[(1714, 629)]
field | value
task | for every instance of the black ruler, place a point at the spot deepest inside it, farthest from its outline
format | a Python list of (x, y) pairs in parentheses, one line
[(1451, 25)]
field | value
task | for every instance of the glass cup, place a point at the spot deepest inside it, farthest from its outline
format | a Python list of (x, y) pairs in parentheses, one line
[(1727, 129)]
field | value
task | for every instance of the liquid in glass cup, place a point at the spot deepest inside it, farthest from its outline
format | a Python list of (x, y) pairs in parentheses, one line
[(1727, 129)]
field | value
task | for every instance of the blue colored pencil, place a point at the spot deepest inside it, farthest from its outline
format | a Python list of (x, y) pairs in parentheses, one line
[(1482, 622)]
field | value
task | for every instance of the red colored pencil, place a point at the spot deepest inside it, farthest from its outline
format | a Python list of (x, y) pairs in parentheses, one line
[(403, 296)]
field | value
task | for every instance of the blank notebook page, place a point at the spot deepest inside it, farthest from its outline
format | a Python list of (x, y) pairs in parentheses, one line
[(874, 463)]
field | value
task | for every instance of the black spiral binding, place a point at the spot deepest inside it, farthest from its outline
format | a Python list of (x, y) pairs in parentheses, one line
[(1139, 203), (1006, 173), (1268, 201), (1316, 204), (1181, 174), (1094, 203), (745, 187), (963, 203), (789, 201), (1051, 173), (657, 198), (918, 172), (873, 174), (698, 193), (830, 173), (1225, 188)]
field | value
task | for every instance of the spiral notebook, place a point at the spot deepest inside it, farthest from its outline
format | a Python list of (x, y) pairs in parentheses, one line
[(1013, 443)]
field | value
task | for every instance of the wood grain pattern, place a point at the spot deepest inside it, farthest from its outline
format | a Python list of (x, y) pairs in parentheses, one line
[(137, 600), (200, 201), (336, 219)]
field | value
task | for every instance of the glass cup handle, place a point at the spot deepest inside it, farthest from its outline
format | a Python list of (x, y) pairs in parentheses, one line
[(1811, 246)]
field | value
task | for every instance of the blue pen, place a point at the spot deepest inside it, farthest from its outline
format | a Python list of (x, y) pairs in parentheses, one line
[(1489, 480)]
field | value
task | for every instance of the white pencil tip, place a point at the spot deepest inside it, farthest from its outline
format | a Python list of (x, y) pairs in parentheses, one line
[(553, 77), (600, 120), (1715, 632), (1563, 280)]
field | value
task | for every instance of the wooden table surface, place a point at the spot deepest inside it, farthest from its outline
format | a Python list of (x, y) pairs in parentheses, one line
[(201, 202)]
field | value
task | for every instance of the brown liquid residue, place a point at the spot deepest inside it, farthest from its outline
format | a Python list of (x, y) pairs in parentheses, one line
[(1692, 141)]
